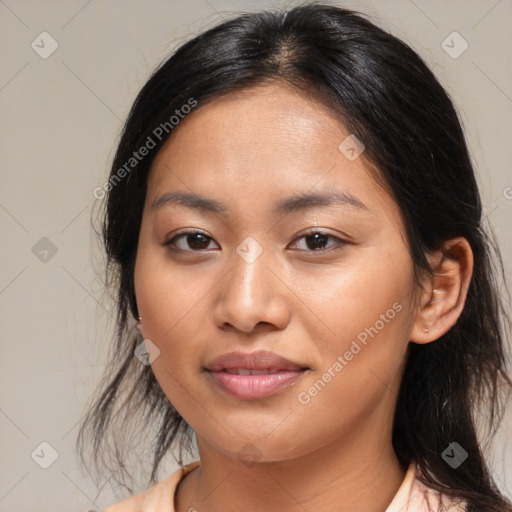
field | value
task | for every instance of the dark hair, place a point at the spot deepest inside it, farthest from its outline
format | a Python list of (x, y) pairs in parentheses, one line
[(384, 94)]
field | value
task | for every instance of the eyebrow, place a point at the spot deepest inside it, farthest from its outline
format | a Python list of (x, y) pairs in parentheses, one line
[(297, 202)]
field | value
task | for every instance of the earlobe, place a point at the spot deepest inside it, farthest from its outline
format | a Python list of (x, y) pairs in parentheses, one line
[(445, 291), (139, 324)]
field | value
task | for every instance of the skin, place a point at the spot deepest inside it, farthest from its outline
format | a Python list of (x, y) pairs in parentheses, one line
[(334, 453)]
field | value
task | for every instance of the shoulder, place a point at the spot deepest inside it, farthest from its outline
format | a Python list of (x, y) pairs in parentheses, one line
[(414, 496), (158, 497), (132, 504)]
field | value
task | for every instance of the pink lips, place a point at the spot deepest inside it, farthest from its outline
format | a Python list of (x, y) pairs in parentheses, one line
[(254, 375)]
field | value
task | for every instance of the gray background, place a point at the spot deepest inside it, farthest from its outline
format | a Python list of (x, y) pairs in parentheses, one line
[(61, 118)]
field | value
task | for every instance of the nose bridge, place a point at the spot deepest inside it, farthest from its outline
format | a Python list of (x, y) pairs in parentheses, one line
[(250, 270), (250, 293)]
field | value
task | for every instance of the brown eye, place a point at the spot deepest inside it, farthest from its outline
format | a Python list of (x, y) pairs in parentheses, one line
[(190, 241), (316, 241)]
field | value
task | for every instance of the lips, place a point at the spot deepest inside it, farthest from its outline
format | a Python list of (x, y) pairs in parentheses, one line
[(254, 375), (261, 360), (247, 371)]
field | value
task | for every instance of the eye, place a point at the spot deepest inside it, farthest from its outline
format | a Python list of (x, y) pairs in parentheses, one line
[(317, 240), (196, 241)]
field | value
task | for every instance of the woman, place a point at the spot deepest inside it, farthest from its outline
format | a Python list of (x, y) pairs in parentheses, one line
[(294, 227)]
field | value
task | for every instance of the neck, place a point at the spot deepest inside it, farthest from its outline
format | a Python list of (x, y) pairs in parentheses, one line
[(351, 473)]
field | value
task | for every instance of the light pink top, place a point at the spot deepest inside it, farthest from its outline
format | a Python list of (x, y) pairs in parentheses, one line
[(412, 496)]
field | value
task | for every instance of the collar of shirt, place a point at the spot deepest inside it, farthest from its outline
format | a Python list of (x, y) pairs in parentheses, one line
[(412, 496)]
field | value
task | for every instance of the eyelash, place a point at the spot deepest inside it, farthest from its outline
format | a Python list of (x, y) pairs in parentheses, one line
[(341, 243)]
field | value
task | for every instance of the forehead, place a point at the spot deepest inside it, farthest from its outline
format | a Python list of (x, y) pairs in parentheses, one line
[(257, 143)]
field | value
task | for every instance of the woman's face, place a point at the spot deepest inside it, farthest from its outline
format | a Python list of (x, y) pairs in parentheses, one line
[(257, 278)]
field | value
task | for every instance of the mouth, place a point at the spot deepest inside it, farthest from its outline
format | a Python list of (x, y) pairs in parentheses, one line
[(250, 384), (250, 371), (250, 376)]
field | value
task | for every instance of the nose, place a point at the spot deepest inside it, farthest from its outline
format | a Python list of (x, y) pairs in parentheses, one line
[(253, 296)]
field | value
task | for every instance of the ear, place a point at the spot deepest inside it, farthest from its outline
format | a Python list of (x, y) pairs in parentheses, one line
[(444, 295)]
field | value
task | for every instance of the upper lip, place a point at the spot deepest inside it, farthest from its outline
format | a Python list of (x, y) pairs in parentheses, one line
[(260, 360)]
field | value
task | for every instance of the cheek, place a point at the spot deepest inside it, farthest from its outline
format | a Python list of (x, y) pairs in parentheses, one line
[(171, 302), (167, 299), (362, 355), (361, 295), (168, 293), (362, 330)]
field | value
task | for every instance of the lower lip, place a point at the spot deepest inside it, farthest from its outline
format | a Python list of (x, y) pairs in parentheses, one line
[(251, 387)]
